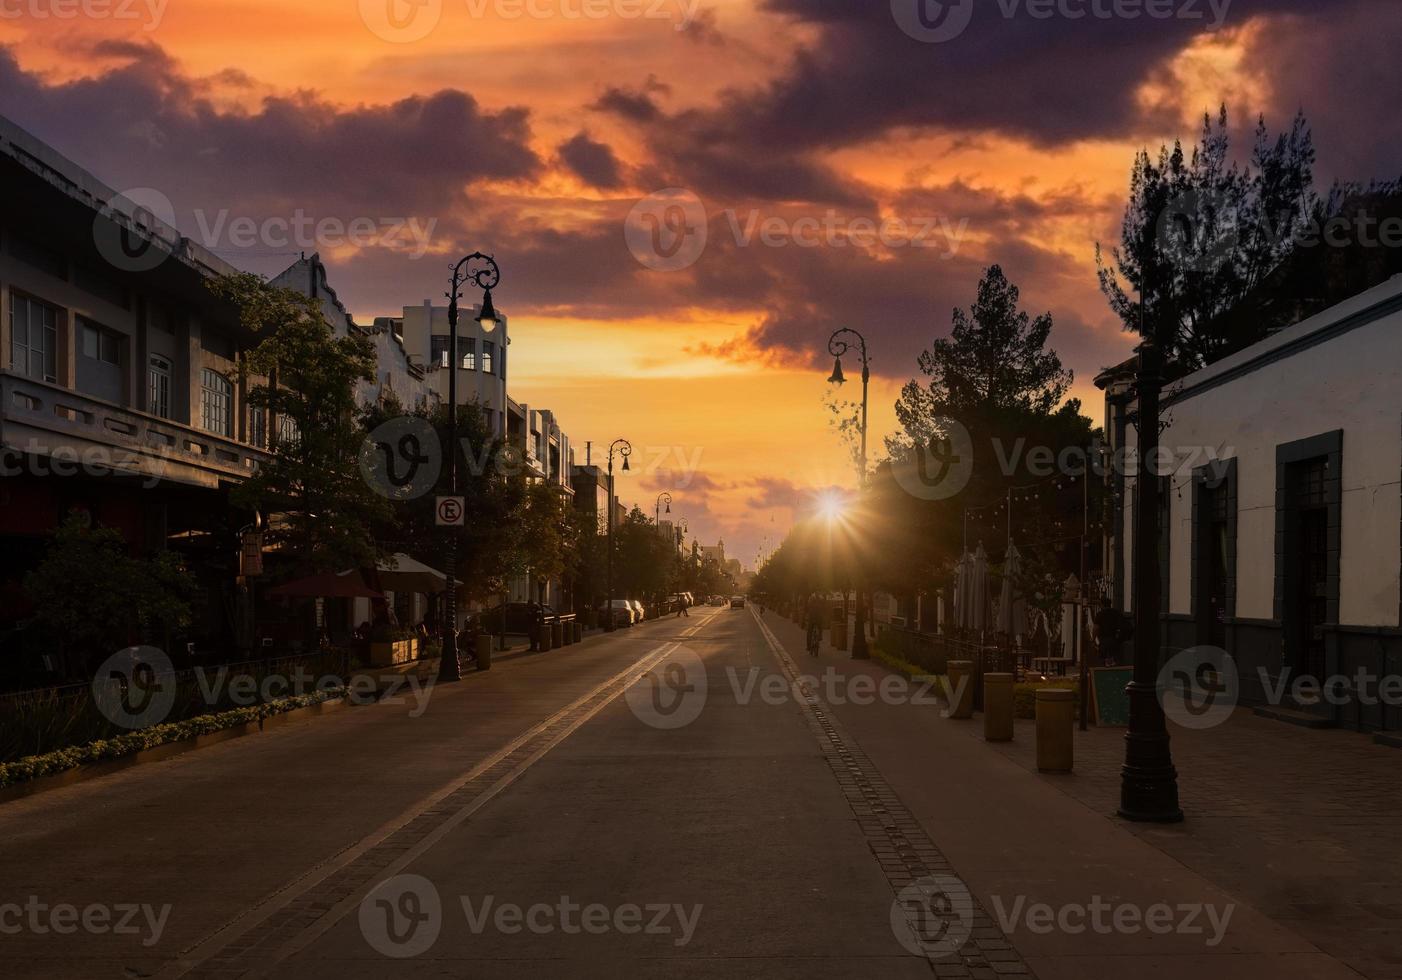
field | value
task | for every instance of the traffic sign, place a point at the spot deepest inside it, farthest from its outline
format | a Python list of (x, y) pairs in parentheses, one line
[(451, 511)]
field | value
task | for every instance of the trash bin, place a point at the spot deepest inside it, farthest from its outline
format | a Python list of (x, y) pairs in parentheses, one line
[(1056, 717), (961, 689), (484, 651), (998, 707), (557, 634)]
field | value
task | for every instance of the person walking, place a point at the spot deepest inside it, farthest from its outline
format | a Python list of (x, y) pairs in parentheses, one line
[(814, 612), (681, 606)]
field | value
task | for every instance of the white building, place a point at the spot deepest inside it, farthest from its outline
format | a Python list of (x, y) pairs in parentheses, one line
[(1284, 545)]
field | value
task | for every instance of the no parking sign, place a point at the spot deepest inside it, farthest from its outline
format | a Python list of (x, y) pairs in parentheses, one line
[(451, 512)]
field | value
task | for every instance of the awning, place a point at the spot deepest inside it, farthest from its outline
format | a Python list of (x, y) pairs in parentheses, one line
[(327, 585)]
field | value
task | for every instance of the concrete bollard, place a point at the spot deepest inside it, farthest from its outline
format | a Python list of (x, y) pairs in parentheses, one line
[(557, 634), (998, 707), (484, 651), (545, 638), (1056, 718), (961, 689), (839, 635), (578, 632)]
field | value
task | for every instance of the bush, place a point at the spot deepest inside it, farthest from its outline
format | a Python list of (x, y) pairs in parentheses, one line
[(36, 766)]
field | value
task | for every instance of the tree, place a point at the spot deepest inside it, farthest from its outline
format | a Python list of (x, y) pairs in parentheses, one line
[(1200, 232), (490, 482), (323, 514), (548, 539), (643, 556), (94, 598)]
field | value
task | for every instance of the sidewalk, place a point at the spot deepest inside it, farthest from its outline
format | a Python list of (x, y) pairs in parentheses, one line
[(1305, 901)]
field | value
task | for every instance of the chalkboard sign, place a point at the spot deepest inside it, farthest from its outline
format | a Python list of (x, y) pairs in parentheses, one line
[(1110, 705)]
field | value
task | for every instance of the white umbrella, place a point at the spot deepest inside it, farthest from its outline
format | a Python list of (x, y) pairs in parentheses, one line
[(978, 590), (1012, 607), (400, 573), (961, 592)]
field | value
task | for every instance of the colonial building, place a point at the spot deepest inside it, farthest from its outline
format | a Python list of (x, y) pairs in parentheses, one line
[(1281, 523)]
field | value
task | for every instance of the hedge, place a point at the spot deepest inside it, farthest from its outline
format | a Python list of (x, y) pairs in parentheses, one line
[(62, 760)]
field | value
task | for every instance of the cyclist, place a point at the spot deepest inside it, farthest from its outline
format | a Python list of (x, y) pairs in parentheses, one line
[(814, 616)]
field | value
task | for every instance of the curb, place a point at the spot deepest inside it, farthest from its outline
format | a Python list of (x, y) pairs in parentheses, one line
[(159, 753)]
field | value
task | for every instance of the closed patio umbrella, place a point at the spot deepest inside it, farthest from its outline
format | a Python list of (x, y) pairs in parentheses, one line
[(1012, 607), (961, 592), (978, 590)]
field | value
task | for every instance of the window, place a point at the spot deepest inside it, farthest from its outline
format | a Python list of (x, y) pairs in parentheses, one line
[(158, 386), (288, 435), (488, 349), (467, 347), (216, 403), (99, 343), (258, 426), (33, 338), (438, 350)]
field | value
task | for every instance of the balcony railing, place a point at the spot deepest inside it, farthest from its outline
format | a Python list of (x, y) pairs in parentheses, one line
[(39, 418)]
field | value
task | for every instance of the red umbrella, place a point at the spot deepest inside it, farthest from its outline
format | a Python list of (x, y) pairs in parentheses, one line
[(326, 586)]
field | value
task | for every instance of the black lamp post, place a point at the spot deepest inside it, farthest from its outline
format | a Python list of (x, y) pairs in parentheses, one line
[(837, 346), (1148, 780), (663, 499), (481, 271), (623, 448)]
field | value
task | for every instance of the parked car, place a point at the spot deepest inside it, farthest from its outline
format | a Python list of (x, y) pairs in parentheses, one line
[(519, 617), (717, 600), (621, 612), (640, 613), (737, 602)]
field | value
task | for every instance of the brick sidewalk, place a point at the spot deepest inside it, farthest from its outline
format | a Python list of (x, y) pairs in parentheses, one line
[(1298, 822)]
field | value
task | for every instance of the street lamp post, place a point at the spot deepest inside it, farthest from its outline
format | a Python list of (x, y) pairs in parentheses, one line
[(481, 271), (1148, 780), (837, 346), (663, 499), (623, 448)]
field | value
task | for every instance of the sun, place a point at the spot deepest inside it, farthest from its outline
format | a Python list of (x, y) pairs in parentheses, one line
[(832, 507)]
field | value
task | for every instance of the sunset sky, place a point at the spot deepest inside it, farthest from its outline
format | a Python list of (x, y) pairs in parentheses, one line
[(532, 128)]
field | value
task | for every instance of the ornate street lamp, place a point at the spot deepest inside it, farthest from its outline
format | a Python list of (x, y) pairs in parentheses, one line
[(838, 346), (481, 271), (663, 498), (623, 448)]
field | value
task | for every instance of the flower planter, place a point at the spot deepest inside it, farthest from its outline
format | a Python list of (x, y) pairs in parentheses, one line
[(396, 652)]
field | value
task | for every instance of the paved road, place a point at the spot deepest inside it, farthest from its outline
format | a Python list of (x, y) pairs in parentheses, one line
[(573, 790)]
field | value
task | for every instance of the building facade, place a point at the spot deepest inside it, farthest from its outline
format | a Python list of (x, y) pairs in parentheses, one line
[(1281, 521)]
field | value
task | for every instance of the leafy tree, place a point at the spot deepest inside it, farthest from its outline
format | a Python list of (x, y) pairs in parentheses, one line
[(1201, 232), (490, 482), (323, 514), (547, 538), (94, 598), (643, 557)]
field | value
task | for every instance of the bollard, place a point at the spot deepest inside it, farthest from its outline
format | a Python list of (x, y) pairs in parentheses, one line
[(557, 634), (578, 632), (997, 707), (961, 689), (484, 651), (1056, 716), (545, 637), (839, 634)]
